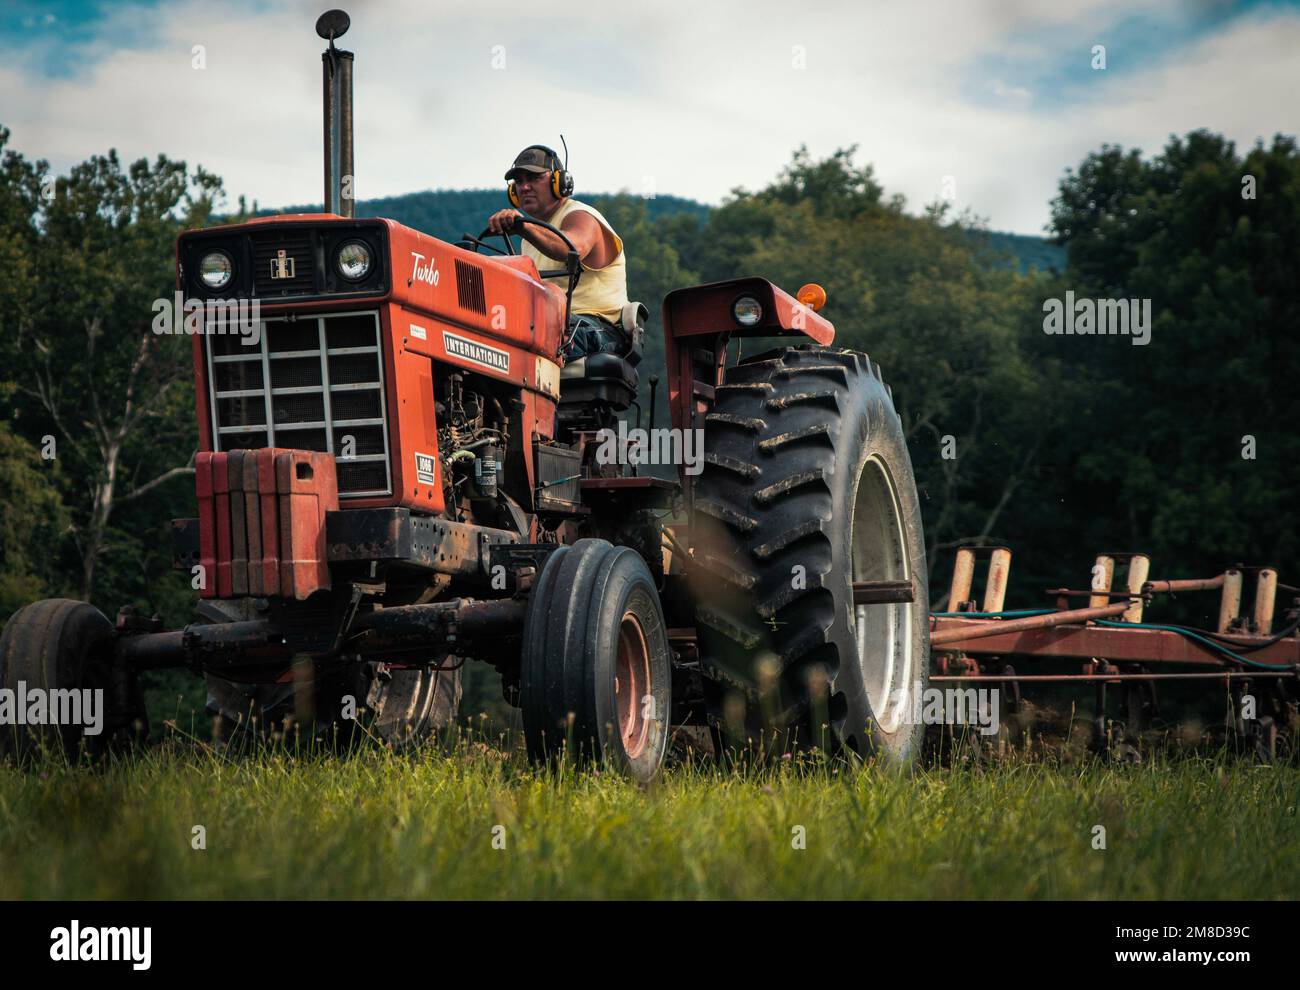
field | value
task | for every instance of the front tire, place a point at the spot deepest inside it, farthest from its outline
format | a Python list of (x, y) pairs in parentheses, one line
[(595, 671), (64, 645)]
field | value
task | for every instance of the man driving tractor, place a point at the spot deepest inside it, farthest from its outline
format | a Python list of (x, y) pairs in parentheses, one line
[(542, 187)]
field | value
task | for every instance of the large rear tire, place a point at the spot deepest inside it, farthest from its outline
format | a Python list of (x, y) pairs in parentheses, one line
[(807, 487), (595, 671)]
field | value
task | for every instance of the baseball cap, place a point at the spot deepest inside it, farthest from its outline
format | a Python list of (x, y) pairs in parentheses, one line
[(533, 159)]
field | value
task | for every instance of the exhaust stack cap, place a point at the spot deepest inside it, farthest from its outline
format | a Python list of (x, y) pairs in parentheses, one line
[(333, 24)]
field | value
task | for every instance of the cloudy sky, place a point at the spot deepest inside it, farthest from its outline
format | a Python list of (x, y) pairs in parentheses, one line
[(692, 98)]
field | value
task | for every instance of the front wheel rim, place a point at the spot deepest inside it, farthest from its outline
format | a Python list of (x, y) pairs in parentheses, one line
[(632, 684)]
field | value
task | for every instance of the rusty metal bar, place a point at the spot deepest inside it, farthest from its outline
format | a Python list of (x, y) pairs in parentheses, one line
[(1223, 675), (152, 651), (961, 629), (1240, 639), (1148, 588), (463, 626), (1183, 584), (1083, 641), (419, 626), (223, 644), (1080, 593), (883, 592)]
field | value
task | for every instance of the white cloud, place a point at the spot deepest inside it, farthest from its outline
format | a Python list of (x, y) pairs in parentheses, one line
[(700, 97), (1016, 95)]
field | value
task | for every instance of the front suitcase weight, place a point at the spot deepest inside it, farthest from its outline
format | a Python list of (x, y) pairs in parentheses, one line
[(307, 489)]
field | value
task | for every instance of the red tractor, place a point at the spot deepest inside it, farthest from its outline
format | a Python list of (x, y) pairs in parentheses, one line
[(399, 473)]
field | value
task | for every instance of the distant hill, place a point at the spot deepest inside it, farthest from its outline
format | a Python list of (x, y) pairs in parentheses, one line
[(1024, 250), (449, 213)]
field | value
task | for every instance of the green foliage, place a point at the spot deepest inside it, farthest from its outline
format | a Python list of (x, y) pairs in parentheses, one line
[(1162, 444), (92, 252), (34, 526), (952, 325)]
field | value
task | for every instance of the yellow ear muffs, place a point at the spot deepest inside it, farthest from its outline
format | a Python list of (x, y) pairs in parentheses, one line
[(561, 186)]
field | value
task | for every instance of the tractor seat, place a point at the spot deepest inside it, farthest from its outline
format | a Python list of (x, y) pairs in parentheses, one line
[(605, 378), (610, 379)]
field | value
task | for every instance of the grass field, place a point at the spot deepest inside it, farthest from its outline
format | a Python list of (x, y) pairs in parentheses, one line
[(374, 824)]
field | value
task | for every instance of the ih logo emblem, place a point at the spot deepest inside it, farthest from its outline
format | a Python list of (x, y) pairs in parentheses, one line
[(281, 265)]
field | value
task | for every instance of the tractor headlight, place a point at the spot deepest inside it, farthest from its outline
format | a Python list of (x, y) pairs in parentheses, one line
[(354, 261), (747, 311), (216, 269)]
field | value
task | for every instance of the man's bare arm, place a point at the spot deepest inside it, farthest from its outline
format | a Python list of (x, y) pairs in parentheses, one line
[(580, 227)]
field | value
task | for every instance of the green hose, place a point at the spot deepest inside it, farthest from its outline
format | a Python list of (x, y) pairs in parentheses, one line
[(1196, 637)]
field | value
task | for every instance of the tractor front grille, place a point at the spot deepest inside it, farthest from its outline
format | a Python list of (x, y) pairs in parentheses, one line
[(315, 383), (287, 274)]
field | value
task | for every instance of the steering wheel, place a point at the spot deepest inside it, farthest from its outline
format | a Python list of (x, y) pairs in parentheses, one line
[(572, 269), (505, 236)]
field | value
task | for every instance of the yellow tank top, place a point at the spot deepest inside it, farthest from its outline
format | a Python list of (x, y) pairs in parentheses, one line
[(601, 291)]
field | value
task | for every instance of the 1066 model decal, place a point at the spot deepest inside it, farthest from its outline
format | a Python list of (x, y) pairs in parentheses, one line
[(426, 469), (472, 350)]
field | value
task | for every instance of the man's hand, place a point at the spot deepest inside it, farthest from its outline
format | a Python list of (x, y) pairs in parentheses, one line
[(503, 221)]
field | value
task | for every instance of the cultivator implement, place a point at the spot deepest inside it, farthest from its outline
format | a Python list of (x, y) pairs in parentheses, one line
[(975, 641)]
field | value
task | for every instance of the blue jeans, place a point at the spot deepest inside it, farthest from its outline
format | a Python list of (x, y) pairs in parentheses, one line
[(592, 334)]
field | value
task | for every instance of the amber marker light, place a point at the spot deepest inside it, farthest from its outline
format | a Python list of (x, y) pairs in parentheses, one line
[(812, 295)]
